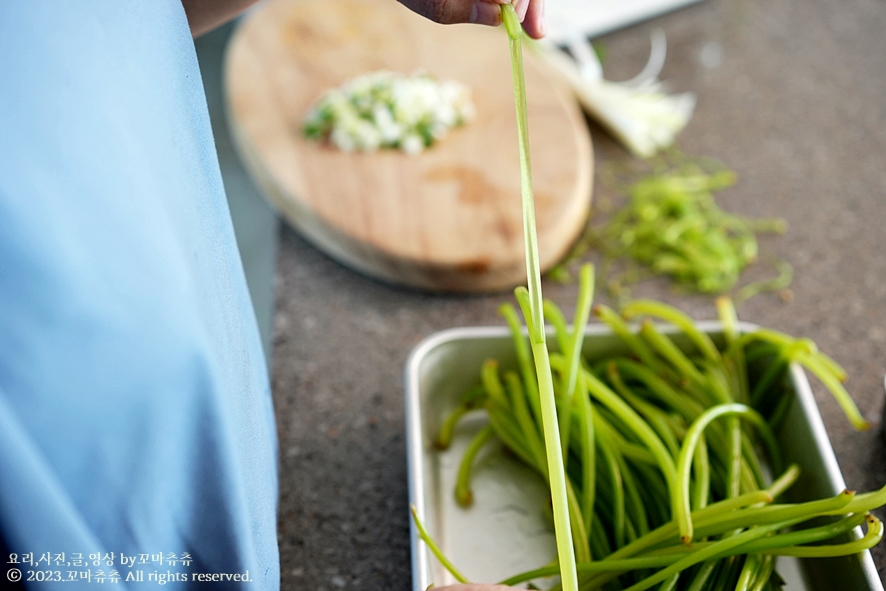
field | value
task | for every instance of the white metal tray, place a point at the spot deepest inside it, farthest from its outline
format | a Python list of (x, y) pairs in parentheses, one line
[(505, 531)]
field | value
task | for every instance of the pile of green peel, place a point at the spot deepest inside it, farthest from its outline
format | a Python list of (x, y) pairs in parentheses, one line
[(672, 225), (665, 477)]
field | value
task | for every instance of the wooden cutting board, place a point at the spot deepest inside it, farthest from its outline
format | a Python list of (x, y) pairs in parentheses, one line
[(448, 219)]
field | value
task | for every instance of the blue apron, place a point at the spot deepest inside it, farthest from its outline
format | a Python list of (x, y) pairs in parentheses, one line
[(137, 435)]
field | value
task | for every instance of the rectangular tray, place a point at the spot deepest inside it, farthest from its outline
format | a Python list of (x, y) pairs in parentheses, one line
[(505, 531)]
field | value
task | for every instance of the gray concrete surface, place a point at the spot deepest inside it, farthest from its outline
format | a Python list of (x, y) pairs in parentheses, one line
[(791, 95)]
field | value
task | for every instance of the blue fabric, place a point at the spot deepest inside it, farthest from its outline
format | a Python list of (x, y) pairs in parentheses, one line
[(135, 409)]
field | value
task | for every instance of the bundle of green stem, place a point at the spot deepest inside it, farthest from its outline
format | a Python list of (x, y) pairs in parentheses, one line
[(665, 483), (673, 226)]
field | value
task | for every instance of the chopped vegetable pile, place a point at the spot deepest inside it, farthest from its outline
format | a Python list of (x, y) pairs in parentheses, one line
[(672, 225), (388, 110), (666, 487)]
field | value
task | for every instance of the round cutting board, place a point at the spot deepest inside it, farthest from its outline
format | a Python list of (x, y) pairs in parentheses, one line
[(447, 219)]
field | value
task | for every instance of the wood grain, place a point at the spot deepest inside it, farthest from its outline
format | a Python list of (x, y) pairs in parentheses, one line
[(448, 219)]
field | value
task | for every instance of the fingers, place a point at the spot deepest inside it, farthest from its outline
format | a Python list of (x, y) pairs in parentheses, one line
[(531, 14), (534, 23), (520, 7), (486, 13), (449, 12), (481, 12)]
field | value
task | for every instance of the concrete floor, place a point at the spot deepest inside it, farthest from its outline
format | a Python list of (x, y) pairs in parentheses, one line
[(791, 95)]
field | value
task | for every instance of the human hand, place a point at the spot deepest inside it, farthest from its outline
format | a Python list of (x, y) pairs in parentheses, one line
[(205, 15), (483, 12)]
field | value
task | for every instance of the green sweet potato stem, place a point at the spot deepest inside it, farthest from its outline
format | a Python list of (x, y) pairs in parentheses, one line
[(535, 320)]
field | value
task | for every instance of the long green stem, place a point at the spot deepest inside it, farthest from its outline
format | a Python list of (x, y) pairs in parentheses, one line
[(687, 452), (521, 411), (701, 577), (589, 457), (533, 268), (607, 457), (720, 524), (765, 573), (640, 428), (435, 549), (524, 353), (598, 566), (871, 539), (582, 311), (670, 584), (556, 469), (670, 314), (667, 349), (444, 437), (535, 320), (785, 481), (821, 370), (474, 399), (463, 493), (669, 530), (712, 551), (863, 502), (780, 544), (749, 572), (634, 342)]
